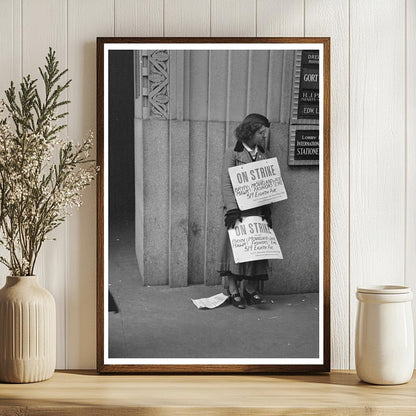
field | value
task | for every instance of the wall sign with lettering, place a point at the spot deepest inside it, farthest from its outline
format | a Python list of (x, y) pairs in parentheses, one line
[(305, 97), (304, 118), (304, 145)]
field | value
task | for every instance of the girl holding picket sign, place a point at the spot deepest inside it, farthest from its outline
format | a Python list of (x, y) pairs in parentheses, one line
[(251, 134)]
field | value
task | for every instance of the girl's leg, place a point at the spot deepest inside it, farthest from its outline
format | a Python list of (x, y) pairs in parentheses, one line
[(252, 286), (236, 299), (232, 285)]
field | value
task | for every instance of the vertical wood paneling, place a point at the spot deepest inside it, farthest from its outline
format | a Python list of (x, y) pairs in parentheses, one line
[(233, 17), (138, 17), (10, 66), (331, 18), (411, 149), (280, 18), (85, 21), (377, 147), (187, 18), (51, 266), (10, 44)]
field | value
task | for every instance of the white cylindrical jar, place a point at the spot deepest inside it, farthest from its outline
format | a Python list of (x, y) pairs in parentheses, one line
[(384, 340)]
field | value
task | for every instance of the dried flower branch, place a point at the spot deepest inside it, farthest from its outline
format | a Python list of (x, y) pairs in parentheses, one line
[(36, 193)]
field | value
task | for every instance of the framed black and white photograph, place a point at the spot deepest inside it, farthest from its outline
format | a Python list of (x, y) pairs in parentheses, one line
[(213, 205)]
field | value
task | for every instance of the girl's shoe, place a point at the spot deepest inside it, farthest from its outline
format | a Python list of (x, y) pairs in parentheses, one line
[(237, 300), (254, 298)]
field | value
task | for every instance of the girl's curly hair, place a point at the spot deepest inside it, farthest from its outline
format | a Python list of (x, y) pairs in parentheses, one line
[(244, 132)]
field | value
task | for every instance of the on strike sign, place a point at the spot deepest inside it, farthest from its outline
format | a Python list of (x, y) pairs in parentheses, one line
[(257, 183), (252, 239)]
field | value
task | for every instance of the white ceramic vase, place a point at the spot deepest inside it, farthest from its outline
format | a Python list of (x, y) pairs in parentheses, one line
[(384, 338), (27, 331)]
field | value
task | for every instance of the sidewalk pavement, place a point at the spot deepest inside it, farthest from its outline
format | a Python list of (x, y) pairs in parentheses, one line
[(163, 322)]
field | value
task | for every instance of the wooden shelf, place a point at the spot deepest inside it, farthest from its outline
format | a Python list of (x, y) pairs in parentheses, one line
[(85, 393)]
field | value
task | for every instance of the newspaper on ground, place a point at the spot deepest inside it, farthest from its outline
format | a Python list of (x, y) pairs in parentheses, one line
[(212, 302), (257, 183)]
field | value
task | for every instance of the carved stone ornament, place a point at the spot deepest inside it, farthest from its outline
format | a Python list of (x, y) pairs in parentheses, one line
[(157, 84)]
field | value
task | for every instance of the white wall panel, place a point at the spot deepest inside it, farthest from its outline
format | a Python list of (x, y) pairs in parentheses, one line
[(377, 152), (10, 65), (86, 21), (233, 18), (10, 44), (44, 24), (187, 18), (280, 18), (411, 148), (138, 17), (330, 18)]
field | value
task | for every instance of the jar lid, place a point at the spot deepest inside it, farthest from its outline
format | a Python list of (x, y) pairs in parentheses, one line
[(384, 289)]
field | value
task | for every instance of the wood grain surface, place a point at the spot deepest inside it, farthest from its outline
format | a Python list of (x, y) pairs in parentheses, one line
[(377, 150), (84, 392), (330, 18)]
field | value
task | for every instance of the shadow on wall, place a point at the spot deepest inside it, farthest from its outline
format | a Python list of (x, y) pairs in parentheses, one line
[(121, 142)]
